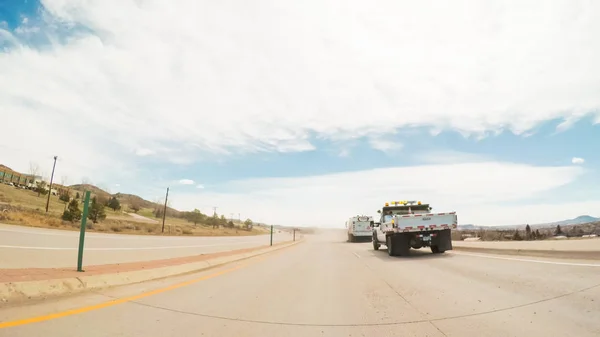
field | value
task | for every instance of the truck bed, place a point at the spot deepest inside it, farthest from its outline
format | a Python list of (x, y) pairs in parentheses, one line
[(422, 222)]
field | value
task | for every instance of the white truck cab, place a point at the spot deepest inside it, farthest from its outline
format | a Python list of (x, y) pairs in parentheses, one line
[(360, 227), (411, 224)]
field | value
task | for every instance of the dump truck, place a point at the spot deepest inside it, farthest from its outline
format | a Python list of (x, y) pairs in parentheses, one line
[(411, 224)]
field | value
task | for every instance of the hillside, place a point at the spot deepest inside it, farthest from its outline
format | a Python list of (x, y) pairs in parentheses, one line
[(87, 187), (20, 205), (126, 199), (131, 199)]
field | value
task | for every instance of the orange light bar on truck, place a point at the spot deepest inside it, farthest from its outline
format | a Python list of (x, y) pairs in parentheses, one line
[(403, 202)]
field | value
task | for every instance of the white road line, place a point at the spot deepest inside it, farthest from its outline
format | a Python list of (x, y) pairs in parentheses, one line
[(528, 260), (125, 248), (120, 236), (355, 253)]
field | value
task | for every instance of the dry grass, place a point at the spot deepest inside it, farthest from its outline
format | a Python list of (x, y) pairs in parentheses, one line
[(30, 199), (33, 218), (24, 207)]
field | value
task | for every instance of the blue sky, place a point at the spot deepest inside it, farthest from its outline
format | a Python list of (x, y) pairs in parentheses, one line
[(277, 110)]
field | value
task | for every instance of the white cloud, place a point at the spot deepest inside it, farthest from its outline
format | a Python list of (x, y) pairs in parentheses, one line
[(118, 185), (449, 157), (200, 76), (142, 152), (345, 152), (200, 186), (385, 145), (327, 200), (186, 182), (577, 160)]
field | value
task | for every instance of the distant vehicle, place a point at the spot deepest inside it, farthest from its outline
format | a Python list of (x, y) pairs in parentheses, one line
[(359, 228), (410, 224)]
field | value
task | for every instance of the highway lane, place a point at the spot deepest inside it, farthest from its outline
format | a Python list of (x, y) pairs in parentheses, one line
[(573, 244), (28, 247), (326, 287)]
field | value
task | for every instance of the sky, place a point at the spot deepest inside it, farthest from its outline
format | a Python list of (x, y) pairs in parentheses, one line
[(306, 113)]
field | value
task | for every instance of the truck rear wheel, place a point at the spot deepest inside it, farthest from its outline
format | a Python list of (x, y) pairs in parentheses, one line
[(350, 238), (437, 250)]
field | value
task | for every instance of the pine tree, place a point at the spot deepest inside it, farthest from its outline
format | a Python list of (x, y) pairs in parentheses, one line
[(72, 213), (96, 212), (114, 204)]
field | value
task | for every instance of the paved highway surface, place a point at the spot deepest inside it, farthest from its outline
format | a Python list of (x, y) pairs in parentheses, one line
[(28, 247), (574, 244), (327, 287)]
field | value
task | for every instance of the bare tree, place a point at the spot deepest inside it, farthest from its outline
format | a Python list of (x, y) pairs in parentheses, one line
[(135, 206), (158, 208), (34, 171)]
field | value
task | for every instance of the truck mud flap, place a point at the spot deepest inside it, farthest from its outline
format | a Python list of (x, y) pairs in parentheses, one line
[(401, 244), (442, 240)]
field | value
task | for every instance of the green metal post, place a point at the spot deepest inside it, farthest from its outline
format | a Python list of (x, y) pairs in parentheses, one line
[(82, 230), (271, 235)]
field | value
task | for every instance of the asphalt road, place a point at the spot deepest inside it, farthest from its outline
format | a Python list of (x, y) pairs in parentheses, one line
[(28, 247), (573, 244), (327, 287)]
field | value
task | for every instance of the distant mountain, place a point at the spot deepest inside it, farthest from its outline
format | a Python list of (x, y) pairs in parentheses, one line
[(582, 219), (467, 227), (578, 220)]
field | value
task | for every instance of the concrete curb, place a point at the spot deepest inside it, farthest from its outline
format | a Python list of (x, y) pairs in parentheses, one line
[(11, 292), (558, 254)]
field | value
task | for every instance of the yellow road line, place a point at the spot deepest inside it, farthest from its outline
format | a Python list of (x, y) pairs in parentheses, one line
[(120, 300)]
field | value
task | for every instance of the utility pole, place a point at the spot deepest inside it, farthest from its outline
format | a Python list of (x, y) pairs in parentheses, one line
[(165, 210), (231, 217), (240, 217), (50, 188), (215, 221)]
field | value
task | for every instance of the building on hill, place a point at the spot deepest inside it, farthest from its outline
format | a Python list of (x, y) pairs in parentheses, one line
[(19, 178)]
